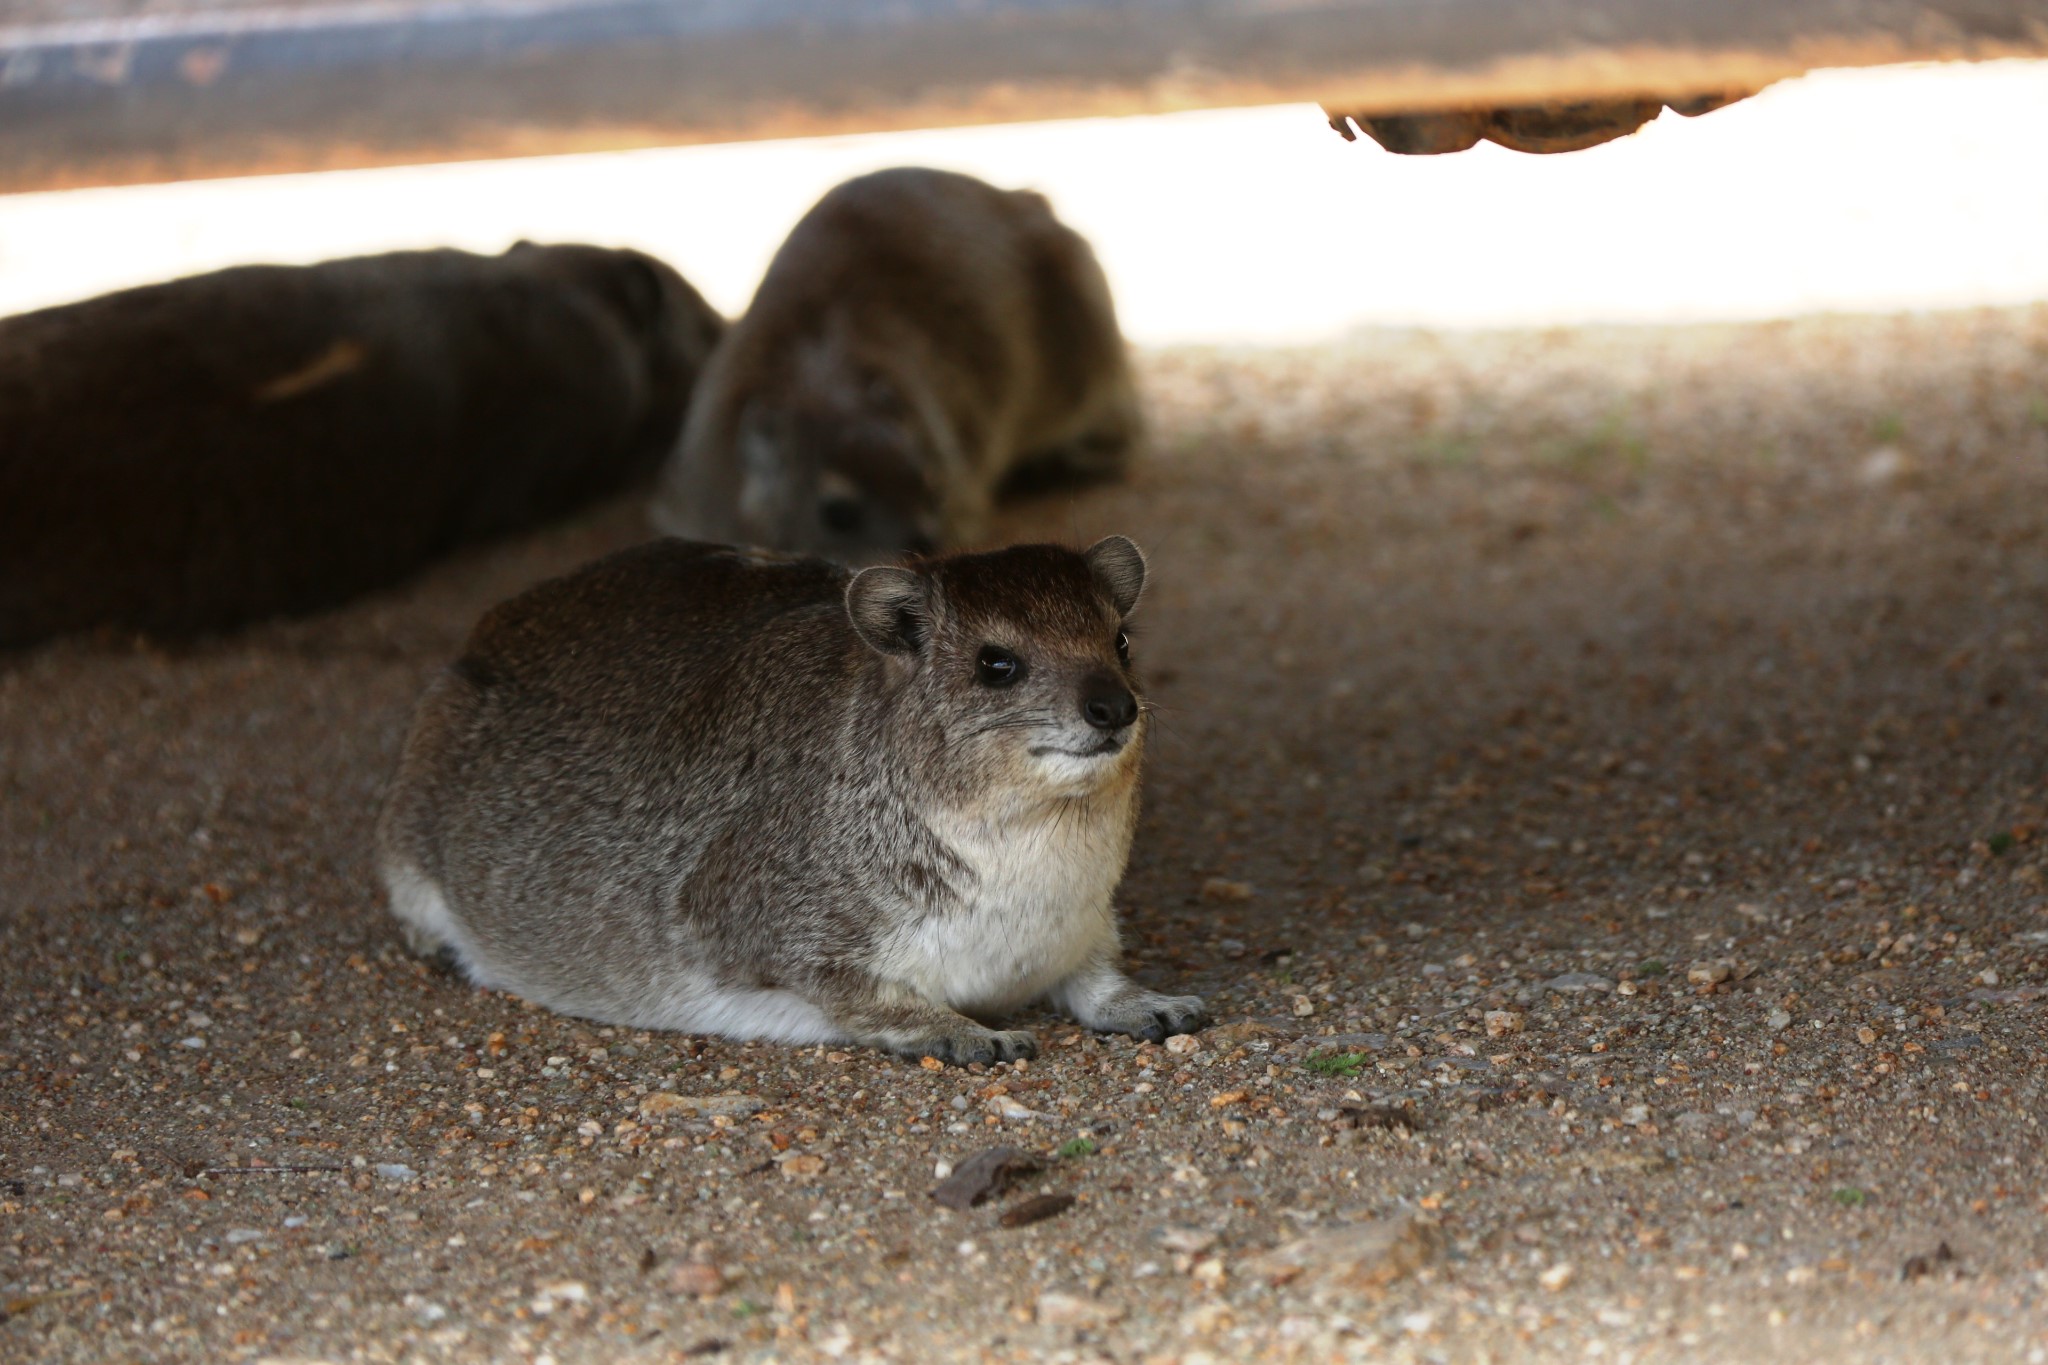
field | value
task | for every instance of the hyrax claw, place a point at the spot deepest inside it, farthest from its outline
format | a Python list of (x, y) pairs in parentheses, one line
[(1150, 1016), (986, 1047)]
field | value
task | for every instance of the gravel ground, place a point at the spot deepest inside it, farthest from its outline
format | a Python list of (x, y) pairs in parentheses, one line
[(1601, 790)]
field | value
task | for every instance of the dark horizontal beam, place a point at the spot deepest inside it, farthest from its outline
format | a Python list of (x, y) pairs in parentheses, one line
[(188, 89)]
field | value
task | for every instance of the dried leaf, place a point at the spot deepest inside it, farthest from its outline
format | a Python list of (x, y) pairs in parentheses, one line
[(984, 1174)]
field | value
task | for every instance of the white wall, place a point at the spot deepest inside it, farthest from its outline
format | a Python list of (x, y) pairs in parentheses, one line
[(1853, 190)]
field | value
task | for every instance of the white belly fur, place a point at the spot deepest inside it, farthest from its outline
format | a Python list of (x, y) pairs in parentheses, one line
[(699, 1005), (689, 1001), (1039, 910)]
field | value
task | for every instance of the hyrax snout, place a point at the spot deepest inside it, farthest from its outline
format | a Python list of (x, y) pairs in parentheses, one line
[(715, 790), (921, 339)]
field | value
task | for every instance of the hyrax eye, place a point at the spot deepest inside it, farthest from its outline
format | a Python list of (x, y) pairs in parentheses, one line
[(998, 667), (1123, 649), (842, 516)]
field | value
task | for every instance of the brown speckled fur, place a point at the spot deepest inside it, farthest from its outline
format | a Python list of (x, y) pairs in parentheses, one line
[(692, 787)]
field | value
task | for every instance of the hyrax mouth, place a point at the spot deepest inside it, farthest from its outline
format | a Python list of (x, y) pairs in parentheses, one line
[(1103, 748)]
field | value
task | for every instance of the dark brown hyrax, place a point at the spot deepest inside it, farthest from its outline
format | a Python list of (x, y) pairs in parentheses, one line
[(721, 791), (193, 455), (922, 339)]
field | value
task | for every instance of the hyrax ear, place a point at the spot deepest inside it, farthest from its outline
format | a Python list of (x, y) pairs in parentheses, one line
[(1119, 566), (890, 608)]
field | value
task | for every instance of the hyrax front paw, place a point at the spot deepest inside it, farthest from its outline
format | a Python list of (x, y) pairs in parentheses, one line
[(1149, 1015), (964, 1046)]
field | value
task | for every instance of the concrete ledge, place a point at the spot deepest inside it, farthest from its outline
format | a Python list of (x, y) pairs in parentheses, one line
[(89, 97)]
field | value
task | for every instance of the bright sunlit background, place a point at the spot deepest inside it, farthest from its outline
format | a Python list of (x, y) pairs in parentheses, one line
[(1896, 188)]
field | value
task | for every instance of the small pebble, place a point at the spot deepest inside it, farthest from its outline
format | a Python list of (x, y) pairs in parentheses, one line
[(1188, 1241), (1575, 983), (1003, 1107), (1072, 1310), (697, 1279), (552, 1296)]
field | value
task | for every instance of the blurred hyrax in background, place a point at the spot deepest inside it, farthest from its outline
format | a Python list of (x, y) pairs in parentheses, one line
[(921, 340), (197, 454)]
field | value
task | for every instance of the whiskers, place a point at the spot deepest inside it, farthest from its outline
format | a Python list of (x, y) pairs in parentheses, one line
[(1156, 715), (1022, 720)]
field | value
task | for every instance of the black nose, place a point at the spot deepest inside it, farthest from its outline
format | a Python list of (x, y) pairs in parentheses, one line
[(1110, 707)]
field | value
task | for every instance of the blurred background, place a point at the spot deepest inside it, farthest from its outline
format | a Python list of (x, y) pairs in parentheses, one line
[(1877, 189)]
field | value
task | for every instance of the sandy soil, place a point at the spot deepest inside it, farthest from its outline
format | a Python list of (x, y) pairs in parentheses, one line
[(1603, 790)]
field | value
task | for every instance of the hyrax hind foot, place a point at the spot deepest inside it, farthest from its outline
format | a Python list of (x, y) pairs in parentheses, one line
[(431, 948)]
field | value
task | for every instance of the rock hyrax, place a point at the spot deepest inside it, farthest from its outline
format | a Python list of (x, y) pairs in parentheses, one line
[(921, 339), (697, 788), (196, 454)]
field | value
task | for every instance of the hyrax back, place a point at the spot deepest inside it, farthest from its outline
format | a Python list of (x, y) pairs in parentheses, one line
[(192, 455), (697, 788), (920, 339)]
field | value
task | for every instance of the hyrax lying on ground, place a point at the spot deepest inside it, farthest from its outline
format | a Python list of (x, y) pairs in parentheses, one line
[(697, 788), (196, 454), (921, 339)]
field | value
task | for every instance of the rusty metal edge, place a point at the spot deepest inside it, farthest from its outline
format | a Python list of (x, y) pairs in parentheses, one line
[(390, 82)]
